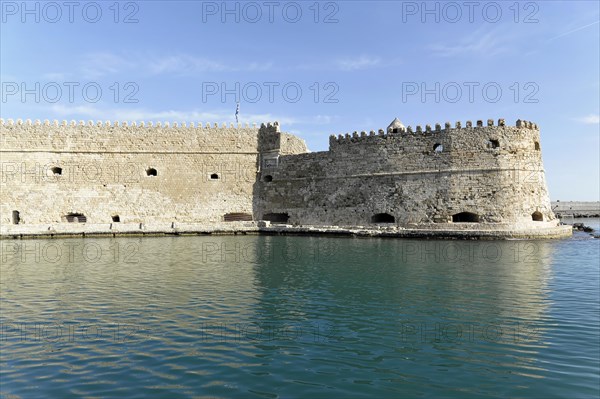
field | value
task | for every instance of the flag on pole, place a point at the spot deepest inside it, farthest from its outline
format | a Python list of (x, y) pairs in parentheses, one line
[(237, 112)]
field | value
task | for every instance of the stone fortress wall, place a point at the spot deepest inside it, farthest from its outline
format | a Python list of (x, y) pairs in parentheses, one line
[(490, 174), (452, 178), (130, 173)]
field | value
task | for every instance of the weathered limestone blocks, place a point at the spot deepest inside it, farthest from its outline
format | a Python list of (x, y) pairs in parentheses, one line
[(172, 173), (492, 173), (132, 171)]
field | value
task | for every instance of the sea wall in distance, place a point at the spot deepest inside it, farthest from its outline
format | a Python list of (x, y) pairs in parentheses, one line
[(578, 209)]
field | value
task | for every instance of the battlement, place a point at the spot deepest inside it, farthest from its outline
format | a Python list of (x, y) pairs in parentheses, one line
[(484, 173), (174, 125), (106, 136), (363, 136)]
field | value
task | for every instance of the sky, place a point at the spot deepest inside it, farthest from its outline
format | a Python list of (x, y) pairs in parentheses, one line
[(319, 68)]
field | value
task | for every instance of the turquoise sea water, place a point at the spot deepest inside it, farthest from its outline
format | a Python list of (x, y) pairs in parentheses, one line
[(281, 317)]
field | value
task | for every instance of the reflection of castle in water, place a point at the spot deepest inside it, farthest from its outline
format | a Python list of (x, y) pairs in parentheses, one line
[(393, 297), (372, 298), (414, 281), (507, 278)]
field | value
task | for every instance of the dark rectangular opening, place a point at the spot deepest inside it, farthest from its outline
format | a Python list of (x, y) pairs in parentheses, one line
[(237, 217), (75, 218), (16, 217), (465, 217), (275, 218)]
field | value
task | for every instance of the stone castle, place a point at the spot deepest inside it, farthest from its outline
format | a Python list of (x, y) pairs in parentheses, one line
[(482, 180)]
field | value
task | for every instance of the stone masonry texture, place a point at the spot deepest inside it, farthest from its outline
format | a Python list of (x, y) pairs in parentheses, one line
[(104, 172)]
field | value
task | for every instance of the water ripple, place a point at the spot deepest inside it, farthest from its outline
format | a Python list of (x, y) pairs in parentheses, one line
[(278, 317)]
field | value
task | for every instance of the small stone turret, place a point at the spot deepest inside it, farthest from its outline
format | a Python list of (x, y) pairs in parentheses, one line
[(395, 126)]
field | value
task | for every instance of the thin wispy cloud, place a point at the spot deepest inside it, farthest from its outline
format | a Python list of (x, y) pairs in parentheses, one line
[(350, 64), (573, 31), (184, 64), (220, 116), (99, 113), (591, 119), (324, 119), (100, 65), (97, 65), (55, 76), (362, 62), (477, 43)]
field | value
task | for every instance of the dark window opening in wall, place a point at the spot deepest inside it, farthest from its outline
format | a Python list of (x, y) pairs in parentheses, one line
[(537, 216), (56, 171), (116, 219), (16, 217), (276, 217), (75, 218), (493, 143), (465, 217), (237, 217), (151, 172), (537, 146), (437, 147), (268, 178), (383, 218), (214, 176)]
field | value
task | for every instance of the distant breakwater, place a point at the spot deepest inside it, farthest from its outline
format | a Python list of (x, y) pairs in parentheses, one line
[(576, 209)]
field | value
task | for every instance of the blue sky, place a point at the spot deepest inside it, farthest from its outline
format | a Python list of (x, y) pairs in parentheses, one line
[(319, 68)]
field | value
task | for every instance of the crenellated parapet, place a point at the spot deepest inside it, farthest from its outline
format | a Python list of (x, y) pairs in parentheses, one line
[(139, 136), (428, 130), (175, 125), (452, 176)]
